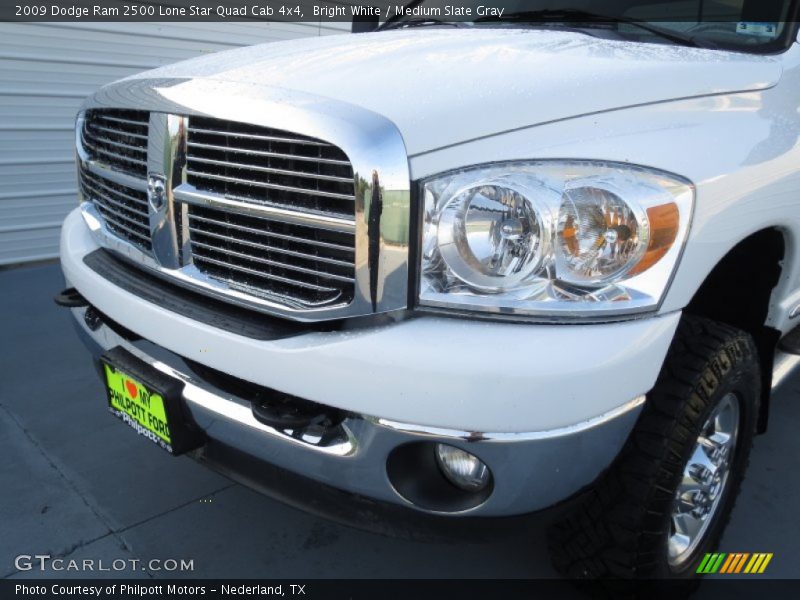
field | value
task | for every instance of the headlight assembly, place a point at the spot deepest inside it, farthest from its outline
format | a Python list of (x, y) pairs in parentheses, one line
[(552, 238)]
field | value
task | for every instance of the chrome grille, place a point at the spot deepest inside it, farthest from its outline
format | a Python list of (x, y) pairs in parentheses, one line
[(124, 209), (299, 265), (117, 138), (270, 167), (293, 264), (263, 217)]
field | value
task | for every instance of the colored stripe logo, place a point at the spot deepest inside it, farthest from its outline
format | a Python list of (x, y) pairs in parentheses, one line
[(734, 562)]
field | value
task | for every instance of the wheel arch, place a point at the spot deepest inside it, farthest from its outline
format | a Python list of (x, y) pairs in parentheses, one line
[(758, 261)]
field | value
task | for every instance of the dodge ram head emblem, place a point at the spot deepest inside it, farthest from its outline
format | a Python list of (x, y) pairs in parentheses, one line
[(157, 191)]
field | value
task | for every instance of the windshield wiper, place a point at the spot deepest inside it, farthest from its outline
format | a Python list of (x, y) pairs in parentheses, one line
[(396, 17), (575, 17), (419, 22)]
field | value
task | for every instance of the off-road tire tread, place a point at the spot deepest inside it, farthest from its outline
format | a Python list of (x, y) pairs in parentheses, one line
[(618, 524)]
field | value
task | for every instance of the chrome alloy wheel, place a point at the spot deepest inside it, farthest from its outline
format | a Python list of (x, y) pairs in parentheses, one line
[(704, 481)]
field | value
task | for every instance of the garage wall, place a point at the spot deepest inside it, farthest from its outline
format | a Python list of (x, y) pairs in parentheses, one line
[(46, 70)]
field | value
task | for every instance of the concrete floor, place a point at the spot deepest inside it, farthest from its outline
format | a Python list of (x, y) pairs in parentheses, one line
[(76, 483)]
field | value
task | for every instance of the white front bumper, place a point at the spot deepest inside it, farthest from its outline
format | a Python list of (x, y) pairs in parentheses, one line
[(475, 376)]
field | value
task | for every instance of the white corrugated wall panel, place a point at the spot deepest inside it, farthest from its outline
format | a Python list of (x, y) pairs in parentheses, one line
[(46, 70)]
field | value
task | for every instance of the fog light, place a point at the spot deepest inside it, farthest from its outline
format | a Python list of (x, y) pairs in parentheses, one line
[(461, 468)]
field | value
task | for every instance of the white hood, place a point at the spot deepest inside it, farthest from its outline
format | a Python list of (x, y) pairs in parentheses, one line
[(446, 86)]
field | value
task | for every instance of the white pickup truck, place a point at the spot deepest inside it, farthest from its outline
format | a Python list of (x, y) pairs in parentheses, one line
[(468, 269)]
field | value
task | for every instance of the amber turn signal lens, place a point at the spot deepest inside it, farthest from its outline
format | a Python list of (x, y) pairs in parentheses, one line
[(664, 224)]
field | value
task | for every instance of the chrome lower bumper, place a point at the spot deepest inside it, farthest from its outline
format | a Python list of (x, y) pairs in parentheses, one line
[(530, 471)]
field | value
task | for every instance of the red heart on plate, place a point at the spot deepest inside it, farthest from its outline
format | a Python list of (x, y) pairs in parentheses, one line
[(131, 387)]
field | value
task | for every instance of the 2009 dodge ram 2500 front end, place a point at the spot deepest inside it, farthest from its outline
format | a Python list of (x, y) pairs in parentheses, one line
[(468, 269)]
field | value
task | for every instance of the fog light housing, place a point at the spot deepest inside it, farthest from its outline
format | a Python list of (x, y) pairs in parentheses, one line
[(464, 470)]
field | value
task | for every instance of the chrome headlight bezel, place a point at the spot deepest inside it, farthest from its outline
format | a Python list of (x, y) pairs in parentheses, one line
[(628, 294)]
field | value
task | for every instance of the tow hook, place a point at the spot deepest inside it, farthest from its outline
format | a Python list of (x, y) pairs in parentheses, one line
[(282, 412), (70, 298)]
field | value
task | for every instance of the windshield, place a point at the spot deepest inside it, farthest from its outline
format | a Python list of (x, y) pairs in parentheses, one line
[(743, 25)]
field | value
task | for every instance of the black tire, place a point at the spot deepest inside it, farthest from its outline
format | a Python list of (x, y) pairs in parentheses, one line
[(619, 528)]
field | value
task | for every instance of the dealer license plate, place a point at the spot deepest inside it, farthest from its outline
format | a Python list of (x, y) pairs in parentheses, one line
[(148, 401)]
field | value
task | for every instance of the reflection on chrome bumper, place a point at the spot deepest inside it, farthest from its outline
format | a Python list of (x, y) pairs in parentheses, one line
[(531, 470)]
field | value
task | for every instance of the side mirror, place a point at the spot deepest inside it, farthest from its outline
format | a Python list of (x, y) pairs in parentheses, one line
[(365, 23)]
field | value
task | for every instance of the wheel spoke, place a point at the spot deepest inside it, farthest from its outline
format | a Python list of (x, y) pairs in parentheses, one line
[(701, 461), (725, 418), (687, 524), (721, 439), (689, 484), (678, 544)]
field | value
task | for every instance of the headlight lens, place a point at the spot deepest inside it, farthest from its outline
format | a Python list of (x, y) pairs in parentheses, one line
[(490, 235), (549, 238)]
